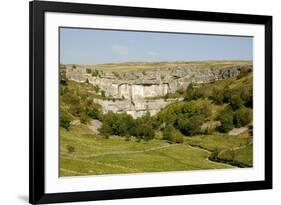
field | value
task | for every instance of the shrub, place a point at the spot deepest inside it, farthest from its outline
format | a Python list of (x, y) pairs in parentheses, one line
[(103, 93), (95, 73), (84, 118), (70, 149), (65, 120), (235, 102), (176, 137), (171, 135), (191, 126), (88, 70), (192, 93), (148, 133), (226, 119), (247, 96), (217, 96), (76, 109), (96, 88), (106, 130), (93, 111), (243, 116)]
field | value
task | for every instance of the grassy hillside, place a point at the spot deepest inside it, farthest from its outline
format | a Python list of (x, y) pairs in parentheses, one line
[(93, 154)]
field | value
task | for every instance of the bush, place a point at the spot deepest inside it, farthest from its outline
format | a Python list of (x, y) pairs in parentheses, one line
[(103, 93), (96, 88), (247, 96), (191, 126), (70, 149), (192, 93), (95, 73), (106, 130), (94, 112), (243, 116), (84, 118), (88, 70), (176, 137), (171, 135), (235, 102), (217, 96), (226, 119), (65, 120)]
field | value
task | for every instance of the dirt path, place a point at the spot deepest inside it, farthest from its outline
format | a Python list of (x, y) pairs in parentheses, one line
[(237, 131)]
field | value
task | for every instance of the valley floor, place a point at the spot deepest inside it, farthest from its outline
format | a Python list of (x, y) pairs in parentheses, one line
[(85, 153)]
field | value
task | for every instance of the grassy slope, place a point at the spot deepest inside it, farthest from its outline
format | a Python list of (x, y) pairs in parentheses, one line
[(243, 155), (223, 144), (97, 155)]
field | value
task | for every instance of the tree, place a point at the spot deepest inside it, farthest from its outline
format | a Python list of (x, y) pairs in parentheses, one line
[(103, 93), (217, 96), (194, 125), (96, 88), (235, 102), (65, 120), (106, 130), (226, 119), (84, 118), (247, 96), (243, 116), (171, 135), (93, 111), (88, 70), (95, 73), (192, 93)]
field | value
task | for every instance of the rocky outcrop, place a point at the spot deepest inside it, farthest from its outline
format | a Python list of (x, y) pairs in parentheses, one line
[(135, 108), (135, 86)]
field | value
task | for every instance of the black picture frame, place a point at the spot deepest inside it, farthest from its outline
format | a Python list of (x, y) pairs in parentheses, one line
[(37, 193)]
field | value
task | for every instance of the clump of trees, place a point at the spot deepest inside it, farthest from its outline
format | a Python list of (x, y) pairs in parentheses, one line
[(186, 117), (238, 118), (123, 124)]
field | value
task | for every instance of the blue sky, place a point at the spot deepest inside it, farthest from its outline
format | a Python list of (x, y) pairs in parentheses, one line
[(92, 46)]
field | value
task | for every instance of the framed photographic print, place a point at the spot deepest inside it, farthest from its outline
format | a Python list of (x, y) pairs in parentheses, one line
[(141, 102)]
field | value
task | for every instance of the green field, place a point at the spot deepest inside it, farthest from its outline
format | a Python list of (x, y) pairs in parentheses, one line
[(231, 149), (95, 155)]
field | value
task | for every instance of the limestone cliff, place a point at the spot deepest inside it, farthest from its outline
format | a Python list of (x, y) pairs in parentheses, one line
[(134, 86)]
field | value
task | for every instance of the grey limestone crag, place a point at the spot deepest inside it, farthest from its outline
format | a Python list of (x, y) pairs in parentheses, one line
[(135, 89)]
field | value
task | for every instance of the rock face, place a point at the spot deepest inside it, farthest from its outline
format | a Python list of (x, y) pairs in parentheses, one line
[(135, 108), (135, 86)]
